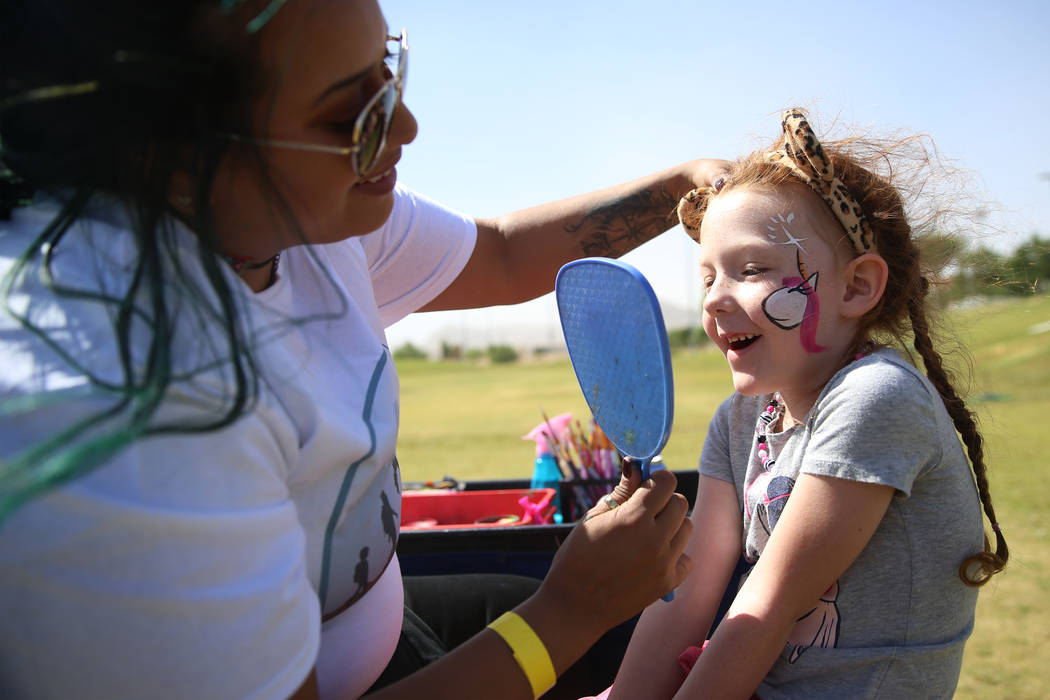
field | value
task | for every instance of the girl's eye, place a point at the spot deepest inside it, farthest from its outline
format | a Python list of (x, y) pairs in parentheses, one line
[(751, 271)]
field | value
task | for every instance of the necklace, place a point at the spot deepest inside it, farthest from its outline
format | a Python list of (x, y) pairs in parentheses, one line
[(240, 264), (773, 413)]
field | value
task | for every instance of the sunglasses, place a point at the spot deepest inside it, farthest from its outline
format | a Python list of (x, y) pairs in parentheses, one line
[(371, 127)]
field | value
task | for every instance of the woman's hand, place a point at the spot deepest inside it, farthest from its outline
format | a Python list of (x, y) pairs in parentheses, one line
[(707, 172), (630, 480), (619, 559)]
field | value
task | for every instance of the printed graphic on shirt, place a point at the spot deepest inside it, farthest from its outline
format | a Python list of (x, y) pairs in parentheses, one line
[(363, 527), (765, 499), (819, 627), (361, 573), (391, 522)]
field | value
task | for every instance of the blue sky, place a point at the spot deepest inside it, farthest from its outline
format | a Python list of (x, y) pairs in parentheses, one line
[(524, 102)]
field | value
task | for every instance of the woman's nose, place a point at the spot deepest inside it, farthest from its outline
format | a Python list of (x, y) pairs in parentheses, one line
[(404, 127)]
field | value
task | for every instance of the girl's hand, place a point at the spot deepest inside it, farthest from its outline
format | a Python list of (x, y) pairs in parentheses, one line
[(618, 560)]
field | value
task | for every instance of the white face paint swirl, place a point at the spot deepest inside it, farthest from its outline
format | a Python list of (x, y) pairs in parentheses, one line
[(786, 307), (782, 221)]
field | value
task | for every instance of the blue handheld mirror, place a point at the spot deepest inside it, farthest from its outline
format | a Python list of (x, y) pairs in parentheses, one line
[(617, 343)]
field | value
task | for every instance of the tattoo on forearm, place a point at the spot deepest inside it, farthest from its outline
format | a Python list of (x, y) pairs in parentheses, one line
[(622, 224)]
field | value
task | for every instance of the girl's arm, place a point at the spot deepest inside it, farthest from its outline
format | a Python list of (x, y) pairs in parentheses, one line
[(650, 669), (517, 255), (826, 524)]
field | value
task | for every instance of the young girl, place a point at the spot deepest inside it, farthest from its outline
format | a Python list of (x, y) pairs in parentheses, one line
[(860, 518)]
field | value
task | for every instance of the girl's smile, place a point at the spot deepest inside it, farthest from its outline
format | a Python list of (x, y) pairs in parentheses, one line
[(739, 342)]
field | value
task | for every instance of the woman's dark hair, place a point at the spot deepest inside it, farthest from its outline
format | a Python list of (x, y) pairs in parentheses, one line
[(112, 99), (878, 172)]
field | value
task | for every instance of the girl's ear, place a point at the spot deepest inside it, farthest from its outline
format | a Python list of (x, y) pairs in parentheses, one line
[(865, 283)]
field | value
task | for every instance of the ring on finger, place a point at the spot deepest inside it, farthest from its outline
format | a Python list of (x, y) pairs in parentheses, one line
[(609, 501)]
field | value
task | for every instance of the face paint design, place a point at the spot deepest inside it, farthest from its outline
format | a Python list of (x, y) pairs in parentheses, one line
[(782, 221), (795, 304), (787, 306)]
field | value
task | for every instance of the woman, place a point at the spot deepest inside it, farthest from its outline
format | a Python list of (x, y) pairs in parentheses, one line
[(205, 240)]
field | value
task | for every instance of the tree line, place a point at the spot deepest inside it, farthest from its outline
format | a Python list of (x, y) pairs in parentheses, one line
[(982, 271)]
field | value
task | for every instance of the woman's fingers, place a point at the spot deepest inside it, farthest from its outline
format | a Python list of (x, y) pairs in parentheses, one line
[(630, 480), (657, 488), (671, 517), (618, 561), (710, 172), (655, 494)]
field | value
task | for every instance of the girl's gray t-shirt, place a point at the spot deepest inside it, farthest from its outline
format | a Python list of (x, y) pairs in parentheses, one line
[(894, 624)]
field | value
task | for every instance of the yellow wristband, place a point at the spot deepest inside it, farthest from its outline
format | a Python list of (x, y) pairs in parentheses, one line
[(528, 650)]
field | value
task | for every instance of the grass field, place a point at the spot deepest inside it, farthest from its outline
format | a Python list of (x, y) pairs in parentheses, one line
[(466, 421)]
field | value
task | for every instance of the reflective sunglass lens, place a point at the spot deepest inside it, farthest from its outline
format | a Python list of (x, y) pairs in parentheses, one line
[(371, 140), (376, 127)]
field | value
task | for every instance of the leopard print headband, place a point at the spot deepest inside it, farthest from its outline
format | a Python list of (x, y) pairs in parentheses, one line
[(803, 155)]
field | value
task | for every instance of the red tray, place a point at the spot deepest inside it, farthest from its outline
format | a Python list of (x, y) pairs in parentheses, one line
[(423, 510)]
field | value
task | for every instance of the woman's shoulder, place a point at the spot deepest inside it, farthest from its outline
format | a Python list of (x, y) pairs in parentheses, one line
[(97, 252), (64, 297), (413, 213), (50, 305)]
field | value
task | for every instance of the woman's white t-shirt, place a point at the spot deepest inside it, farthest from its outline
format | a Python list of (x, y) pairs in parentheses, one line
[(228, 562)]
